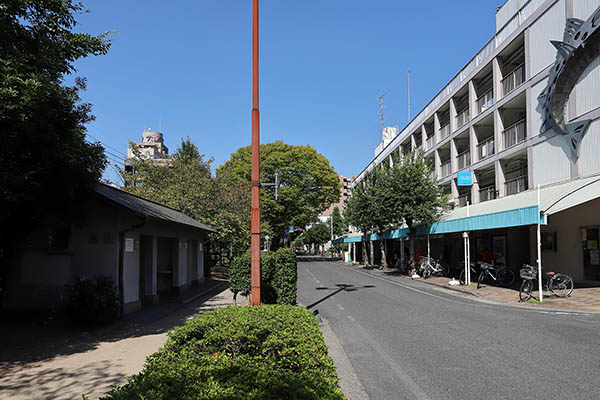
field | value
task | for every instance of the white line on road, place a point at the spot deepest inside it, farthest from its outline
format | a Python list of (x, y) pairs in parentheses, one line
[(340, 307), (408, 382)]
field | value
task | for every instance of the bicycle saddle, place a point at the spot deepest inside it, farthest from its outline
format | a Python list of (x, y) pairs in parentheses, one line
[(550, 273)]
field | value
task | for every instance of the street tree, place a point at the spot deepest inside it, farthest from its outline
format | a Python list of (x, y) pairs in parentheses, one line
[(357, 212), (222, 202), (317, 235), (339, 223), (46, 164), (308, 184), (417, 197)]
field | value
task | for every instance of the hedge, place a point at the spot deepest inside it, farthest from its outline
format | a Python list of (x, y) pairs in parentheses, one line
[(267, 352), (279, 275)]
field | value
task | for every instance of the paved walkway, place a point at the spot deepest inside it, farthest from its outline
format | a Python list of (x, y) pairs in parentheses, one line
[(91, 362)]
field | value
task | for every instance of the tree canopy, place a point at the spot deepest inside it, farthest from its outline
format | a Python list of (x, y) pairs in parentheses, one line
[(223, 202), (46, 164), (317, 235), (308, 184)]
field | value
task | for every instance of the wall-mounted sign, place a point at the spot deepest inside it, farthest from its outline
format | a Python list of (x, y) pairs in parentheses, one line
[(128, 245), (464, 179)]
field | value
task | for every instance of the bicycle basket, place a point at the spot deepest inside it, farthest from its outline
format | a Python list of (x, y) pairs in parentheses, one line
[(527, 273)]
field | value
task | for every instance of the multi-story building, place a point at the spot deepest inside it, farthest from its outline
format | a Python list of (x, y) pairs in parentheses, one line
[(523, 112), (152, 148), (345, 191)]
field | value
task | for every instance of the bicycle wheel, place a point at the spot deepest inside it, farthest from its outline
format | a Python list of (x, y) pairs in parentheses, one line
[(426, 272), (505, 277), (461, 277), (444, 270), (480, 279), (561, 285), (525, 291)]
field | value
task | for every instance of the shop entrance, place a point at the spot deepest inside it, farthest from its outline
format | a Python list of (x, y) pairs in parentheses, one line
[(591, 257)]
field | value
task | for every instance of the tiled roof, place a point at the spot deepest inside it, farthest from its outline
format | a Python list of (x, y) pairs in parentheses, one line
[(148, 208)]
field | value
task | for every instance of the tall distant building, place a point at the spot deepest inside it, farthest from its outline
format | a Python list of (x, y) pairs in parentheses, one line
[(152, 148), (345, 190)]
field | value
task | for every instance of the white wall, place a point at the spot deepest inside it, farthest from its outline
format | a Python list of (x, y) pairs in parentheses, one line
[(536, 117), (589, 159), (131, 270), (582, 9), (551, 161), (550, 26), (587, 89)]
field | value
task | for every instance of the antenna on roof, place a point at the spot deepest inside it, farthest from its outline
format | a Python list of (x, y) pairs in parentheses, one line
[(381, 111), (408, 96)]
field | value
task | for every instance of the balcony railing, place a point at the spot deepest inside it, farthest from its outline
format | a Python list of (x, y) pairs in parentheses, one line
[(462, 200), (486, 148), (462, 119), (514, 134), (429, 143), (487, 193), (446, 169), (485, 101), (515, 186), (464, 159), (513, 79), (445, 131)]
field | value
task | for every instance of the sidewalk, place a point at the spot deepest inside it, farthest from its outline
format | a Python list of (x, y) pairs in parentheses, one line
[(580, 299), (63, 362)]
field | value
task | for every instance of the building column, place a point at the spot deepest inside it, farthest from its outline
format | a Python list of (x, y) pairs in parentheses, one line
[(497, 79), (424, 137), (473, 143), (498, 129), (453, 156), (475, 189), (437, 164), (436, 127), (500, 179), (452, 116), (472, 100)]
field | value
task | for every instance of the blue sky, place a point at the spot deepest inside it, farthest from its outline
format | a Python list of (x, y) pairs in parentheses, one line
[(185, 66)]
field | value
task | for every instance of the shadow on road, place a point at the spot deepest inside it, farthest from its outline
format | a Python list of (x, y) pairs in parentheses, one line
[(340, 287)]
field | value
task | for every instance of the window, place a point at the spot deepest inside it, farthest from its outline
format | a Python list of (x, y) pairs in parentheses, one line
[(59, 238)]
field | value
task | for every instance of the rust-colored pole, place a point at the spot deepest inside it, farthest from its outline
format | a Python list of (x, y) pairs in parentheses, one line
[(255, 212)]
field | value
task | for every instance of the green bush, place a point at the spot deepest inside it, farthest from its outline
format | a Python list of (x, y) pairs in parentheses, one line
[(93, 302), (267, 352), (278, 272)]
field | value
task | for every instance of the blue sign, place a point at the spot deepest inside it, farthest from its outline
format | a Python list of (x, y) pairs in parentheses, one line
[(291, 229), (464, 179)]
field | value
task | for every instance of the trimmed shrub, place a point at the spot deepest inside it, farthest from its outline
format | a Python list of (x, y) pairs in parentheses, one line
[(278, 272), (268, 352), (93, 302)]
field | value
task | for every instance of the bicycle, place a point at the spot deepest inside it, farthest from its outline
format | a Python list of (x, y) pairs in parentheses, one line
[(503, 276), (561, 285), (430, 266), (461, 277)]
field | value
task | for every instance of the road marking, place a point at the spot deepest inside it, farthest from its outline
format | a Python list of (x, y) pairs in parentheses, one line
[(340, 307), (408, 382), (318, 281)]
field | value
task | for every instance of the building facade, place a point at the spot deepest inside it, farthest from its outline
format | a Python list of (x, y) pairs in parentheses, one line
[(345, 191), (152, 148), (524, 112)]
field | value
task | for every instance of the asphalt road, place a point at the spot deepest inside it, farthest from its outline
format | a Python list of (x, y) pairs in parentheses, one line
[(410, 340)]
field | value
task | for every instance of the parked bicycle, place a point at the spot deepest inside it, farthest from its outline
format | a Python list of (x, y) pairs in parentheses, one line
[(461, 277), (561, 285), (500, 274), (430, 266)]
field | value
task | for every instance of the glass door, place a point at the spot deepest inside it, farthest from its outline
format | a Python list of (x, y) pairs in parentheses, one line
[(591, 257)]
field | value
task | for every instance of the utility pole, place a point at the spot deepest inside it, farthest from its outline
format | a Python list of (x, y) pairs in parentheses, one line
[(255, 211)]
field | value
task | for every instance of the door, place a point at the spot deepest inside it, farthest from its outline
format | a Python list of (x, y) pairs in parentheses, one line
[(591, 257)]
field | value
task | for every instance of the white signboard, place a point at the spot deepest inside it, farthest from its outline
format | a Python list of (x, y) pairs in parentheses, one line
[(129, 245)]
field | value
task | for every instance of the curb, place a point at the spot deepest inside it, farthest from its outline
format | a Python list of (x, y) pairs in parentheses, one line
[(490, 301)]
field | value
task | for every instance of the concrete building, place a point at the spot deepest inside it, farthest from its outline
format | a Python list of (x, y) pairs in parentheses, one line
[(345, 191), (152, 148), (147, 249), (523, 112)]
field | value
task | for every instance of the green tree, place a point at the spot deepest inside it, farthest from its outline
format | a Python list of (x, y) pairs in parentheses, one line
[(357, 212), (317, 235), (417, 197), (223, 202), (46, 164), (339, 223), (308, 184)]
